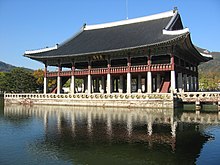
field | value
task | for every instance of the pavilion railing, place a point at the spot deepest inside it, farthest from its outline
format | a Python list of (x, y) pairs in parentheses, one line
[(114, 70)]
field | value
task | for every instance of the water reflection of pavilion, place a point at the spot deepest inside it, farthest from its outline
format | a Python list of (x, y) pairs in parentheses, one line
[(91, 114), (67, 127)]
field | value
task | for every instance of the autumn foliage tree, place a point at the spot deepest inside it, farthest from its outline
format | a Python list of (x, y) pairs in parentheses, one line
[(39, 76)]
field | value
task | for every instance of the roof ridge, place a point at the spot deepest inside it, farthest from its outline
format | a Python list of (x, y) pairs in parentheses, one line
[(130, 21), (41, 50)]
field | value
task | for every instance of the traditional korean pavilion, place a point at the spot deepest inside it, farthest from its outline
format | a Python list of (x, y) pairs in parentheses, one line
[(144, 55)]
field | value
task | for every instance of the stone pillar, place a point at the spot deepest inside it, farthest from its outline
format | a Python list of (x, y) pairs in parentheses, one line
[(158, 83), (149, 75), (97, 84), (89, 83), (129, 76), (192, 84), (173, 81), (139, 83), (109, 83), (89, 79), (180, 82), (128, 82), (59, 80), (72, 84), (45, 80), (173, 75), (189, 83), (185, 82), (86, 85), (121, 84), (116, 84), (196, 83), (103, 85), (149, 82)]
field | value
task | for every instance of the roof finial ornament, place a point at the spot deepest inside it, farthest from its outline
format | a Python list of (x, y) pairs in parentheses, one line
[(175, 9), (84, 25)]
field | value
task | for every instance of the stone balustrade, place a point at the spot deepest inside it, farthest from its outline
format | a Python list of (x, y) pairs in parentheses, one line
[(199, 96), (94, 96), (134, 100)]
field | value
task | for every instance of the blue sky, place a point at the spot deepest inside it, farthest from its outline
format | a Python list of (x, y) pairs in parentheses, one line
[(34, 24)]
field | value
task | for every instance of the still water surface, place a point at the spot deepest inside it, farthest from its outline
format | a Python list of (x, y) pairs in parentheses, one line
[(86, 135)]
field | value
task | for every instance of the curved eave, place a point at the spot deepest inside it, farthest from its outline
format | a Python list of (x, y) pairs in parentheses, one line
[(149, 46), (195, 52)]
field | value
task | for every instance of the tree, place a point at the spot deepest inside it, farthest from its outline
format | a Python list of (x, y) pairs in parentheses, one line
[(209, 81), (39, 76), (3, 82), (21, 81)]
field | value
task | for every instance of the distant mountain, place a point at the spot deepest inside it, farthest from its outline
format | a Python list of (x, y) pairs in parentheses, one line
[(212, 65), (4, 67)]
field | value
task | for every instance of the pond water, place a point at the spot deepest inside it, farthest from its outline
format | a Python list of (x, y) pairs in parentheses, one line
[(90, 135)]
